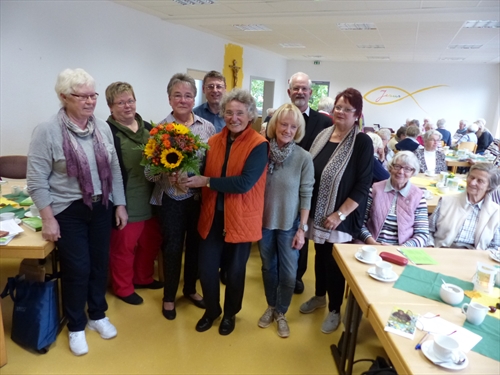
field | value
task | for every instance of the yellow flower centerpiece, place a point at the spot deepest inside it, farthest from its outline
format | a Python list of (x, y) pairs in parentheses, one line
[(172, 148)]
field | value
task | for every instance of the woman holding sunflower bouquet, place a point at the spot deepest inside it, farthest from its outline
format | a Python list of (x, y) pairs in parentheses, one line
[(180, 206)]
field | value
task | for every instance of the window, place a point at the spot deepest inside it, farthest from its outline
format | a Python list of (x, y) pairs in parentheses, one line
[(257, 91), (319, 89)]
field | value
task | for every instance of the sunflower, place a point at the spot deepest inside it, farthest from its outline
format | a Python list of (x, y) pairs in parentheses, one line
[(150, 148), (171, 158), (181, 129)]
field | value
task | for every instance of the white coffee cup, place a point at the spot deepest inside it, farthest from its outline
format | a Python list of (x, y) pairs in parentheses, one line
[(34, 210), (383, 269), (445, 347), (430, 173), (16, 190), (7, 216), (368, 253), (474, 312)]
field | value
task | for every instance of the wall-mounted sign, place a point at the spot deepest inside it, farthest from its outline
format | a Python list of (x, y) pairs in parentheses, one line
[(384, 95)]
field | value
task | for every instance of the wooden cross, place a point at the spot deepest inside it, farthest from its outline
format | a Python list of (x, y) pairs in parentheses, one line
[(235, 70)]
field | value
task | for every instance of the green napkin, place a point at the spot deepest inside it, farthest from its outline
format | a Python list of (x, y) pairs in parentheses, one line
[(489, 330), (26, 202), (427, 283), (18, 211), (16, 198)]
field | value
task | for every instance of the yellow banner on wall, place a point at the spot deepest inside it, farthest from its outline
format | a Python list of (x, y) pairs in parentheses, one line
[(233, 66)]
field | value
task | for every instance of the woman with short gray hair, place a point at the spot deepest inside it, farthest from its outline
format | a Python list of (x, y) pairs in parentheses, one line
[(233, 185), (396, 213), (469, 220), (74, 179), (431, 159)]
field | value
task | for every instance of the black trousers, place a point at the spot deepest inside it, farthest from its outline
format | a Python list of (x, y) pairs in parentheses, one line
[(210, 256), (329, 278), (179, 220)]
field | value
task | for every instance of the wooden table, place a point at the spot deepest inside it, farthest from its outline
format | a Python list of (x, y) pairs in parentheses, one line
[(376, 300), (26, 245)]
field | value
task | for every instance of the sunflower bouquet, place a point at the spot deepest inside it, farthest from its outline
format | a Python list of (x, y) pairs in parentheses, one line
[(173, 148)]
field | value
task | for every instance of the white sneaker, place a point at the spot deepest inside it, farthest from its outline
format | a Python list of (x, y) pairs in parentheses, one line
[(331, 322), (104, 327), (267, 318), (313, 304), (78, 343), (283, 329)]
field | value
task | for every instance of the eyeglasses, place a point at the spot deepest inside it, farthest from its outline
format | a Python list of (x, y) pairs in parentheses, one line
[(338, 108), (84, 98), (179, 97), (213, 87), (122, 103), (231, 113), (297, 89), (398, 167)]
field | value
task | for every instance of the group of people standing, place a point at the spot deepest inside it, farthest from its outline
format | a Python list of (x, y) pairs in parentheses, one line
[(308, 178)]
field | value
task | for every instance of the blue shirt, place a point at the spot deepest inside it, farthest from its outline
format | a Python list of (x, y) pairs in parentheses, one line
[(203, 111)]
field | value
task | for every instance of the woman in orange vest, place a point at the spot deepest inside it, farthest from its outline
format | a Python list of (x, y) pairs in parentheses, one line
[(232, 206)]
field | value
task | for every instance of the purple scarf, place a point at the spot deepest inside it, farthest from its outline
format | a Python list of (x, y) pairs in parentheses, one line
[(77, 164)]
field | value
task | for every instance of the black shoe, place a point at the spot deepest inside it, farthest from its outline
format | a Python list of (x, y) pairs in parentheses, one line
[(205, 323), (198, 303), (227, 325), (299, 287), (169, 314), (133, 299), (223, 276), (155, 284)]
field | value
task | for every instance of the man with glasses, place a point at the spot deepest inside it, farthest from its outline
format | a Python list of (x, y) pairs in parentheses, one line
[(214, 87), (300, 91)]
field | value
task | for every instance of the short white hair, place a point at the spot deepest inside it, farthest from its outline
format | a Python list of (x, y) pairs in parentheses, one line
[(70, 79), (440, 123), (326, 104), (473, 127), (290, 82), (384, 133), (428, 134), (377, 141)]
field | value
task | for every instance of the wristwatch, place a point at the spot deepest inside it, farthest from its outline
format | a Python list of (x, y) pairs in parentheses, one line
[(341, 216), (208, 182), (304, 227)]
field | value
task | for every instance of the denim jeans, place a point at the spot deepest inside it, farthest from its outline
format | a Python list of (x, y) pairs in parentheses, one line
[(84, 256), (279, 266)]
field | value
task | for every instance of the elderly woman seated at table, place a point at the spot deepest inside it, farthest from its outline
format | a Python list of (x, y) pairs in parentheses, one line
[(469, 220), (396, 213), (379, 172), (470, 135), (409, 143), (430, 158)]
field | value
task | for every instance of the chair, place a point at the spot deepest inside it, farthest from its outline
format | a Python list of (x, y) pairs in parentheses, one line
[(471, 146), (369, 129), (13, 166)]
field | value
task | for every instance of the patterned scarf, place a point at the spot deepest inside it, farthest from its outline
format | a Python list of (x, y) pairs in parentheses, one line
[(330, 178), (77, 164), (277, 156)]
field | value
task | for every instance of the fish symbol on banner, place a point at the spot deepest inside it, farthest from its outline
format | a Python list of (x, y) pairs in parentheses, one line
[(385, 94)]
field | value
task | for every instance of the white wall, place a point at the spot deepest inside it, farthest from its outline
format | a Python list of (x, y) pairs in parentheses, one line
[(113, 43), (472, 91)]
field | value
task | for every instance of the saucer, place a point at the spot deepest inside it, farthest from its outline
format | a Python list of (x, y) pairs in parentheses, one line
[(430, 175), (394, 276), (428, 351), (495, 256), (28, 214), (360, 258)]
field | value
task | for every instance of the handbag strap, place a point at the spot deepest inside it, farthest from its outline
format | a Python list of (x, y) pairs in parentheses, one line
[(9, 289)]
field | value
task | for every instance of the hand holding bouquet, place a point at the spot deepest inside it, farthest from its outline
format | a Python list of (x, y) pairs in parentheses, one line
[(173, 149)]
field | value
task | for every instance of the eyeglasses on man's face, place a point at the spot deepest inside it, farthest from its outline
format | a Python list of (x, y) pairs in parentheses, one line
[(84, 98), (214, 87)]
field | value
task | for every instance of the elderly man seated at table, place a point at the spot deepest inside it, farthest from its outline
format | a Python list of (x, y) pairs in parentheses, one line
[(396, 212), (470, 135), (410, 143), (430, 158), (469, 220)]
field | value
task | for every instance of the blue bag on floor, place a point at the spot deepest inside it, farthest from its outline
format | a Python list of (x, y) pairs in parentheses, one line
[(35, 317)]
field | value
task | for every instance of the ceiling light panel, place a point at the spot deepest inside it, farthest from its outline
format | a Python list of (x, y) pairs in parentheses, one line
[(374, 46), (465, 46), (356, 26), (292, 45), (481, 25), (378, 58), (195, 2), (254, 27)]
